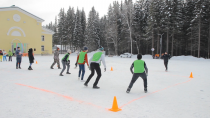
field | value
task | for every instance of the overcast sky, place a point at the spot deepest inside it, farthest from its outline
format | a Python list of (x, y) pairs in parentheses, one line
[(48, 9)]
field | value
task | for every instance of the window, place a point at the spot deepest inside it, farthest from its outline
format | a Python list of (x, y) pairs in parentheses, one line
[(42, 38), (42, 48)]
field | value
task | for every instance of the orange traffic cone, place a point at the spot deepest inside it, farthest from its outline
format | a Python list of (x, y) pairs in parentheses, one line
[(111, 69), (115, 106), (191, 75), (36, 62)]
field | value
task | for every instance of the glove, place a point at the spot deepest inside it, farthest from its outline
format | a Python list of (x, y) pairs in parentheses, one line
[(76, 64), (104, 69)]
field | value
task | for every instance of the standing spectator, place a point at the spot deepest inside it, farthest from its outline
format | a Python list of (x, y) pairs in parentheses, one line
[(18, 57), (31, 58), (166, 57), (56, 59), (4, 55), (1, 55), (10, 55)]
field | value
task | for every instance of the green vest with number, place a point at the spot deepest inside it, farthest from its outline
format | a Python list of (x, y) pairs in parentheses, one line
[(97, 56), (138, 66), (82, 57)]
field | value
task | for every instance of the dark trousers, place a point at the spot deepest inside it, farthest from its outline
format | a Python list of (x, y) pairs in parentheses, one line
[(81, 69), (94, 67), (166, 64), (56, 61), (64, 66), (18, 62), (136, 76), (10, 58)]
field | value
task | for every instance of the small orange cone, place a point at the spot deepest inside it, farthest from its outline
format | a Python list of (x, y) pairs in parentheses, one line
[(111, 69), (191, 75), (36, 62), (115, 106)]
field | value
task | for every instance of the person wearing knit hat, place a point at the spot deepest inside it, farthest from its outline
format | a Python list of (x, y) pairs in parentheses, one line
[(95, 62), (56, 59), (66, 62), (82, 58)]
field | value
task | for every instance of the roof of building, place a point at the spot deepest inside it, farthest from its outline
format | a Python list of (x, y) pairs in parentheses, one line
[(13, 7), (47, 31)]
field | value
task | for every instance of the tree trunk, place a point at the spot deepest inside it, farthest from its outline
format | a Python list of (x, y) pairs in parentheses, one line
[(209, 40), (199, 37), (191, 44), (172, 44), (153, 41), (158, 42), (167, 40)]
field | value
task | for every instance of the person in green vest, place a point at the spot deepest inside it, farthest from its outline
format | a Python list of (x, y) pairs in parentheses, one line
[(10, 54), (66, 62), (82, 58), (139, 71), (95, 62)]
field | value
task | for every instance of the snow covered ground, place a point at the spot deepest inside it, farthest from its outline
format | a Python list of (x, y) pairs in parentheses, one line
[(41, 93)]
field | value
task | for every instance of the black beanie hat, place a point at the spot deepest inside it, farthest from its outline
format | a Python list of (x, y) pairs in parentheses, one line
[(139, 56)]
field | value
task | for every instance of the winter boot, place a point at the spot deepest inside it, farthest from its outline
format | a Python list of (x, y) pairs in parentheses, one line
[(29, 68), (128, 90), (19, 67), (85, 84), (96, 87), (51, 67), (145, 90), (61, 74), (68, 73)]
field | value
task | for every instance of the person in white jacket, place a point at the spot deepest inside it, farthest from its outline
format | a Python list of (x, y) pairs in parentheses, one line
[(4, 55), (95, 62)]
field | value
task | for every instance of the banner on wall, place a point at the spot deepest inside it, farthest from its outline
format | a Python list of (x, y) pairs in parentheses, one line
[(23, 47)]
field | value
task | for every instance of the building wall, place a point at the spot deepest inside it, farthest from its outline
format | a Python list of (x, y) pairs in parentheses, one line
[(30, 27)]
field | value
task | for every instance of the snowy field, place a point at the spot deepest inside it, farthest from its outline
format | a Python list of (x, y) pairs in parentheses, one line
[(42, 93)]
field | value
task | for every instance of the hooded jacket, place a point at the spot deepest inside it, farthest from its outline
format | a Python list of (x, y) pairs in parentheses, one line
[(31, 56)]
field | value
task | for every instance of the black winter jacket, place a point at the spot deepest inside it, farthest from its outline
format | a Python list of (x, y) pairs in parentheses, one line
[(31, 56)]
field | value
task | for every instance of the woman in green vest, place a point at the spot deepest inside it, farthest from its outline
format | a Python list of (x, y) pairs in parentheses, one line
[(66, 62), (10, 54), (139, 71), (82, 58), (95, 62)]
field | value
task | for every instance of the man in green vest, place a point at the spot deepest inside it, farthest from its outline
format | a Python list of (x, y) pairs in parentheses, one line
[(82, 58), (10, 54), (95, 62), (139, 71), (66, 62)]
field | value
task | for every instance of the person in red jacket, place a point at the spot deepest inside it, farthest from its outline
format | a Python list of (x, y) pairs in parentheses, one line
[(82, 58)]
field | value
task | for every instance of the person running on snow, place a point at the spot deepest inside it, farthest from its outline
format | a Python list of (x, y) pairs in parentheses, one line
[(18, 57), (4, 55), (10, 55), (56, 59), (66, 62), (82, 58), (166, 57), (31, 58), (1, 55), (95, 62), (139, 71)]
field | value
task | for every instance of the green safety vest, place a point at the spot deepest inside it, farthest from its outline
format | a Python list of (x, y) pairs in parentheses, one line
[(67, 57), (138, 66), (97, 56), (82, 57), (10, 53)]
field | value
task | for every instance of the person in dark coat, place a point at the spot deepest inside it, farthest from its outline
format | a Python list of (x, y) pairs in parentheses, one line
[(31, 58), (166, 57)]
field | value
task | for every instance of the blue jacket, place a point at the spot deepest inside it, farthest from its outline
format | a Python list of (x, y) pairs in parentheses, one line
[(17, 54)]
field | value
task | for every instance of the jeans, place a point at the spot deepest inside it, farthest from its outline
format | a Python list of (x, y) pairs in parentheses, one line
[(94, 67), (10, 58), (136, 76), (31, 64), (82, 68), (4, 58), (56, 61), (18, 62)]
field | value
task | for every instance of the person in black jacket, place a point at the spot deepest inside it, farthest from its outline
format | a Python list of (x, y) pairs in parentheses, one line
[(31, 58), (166, 57)]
